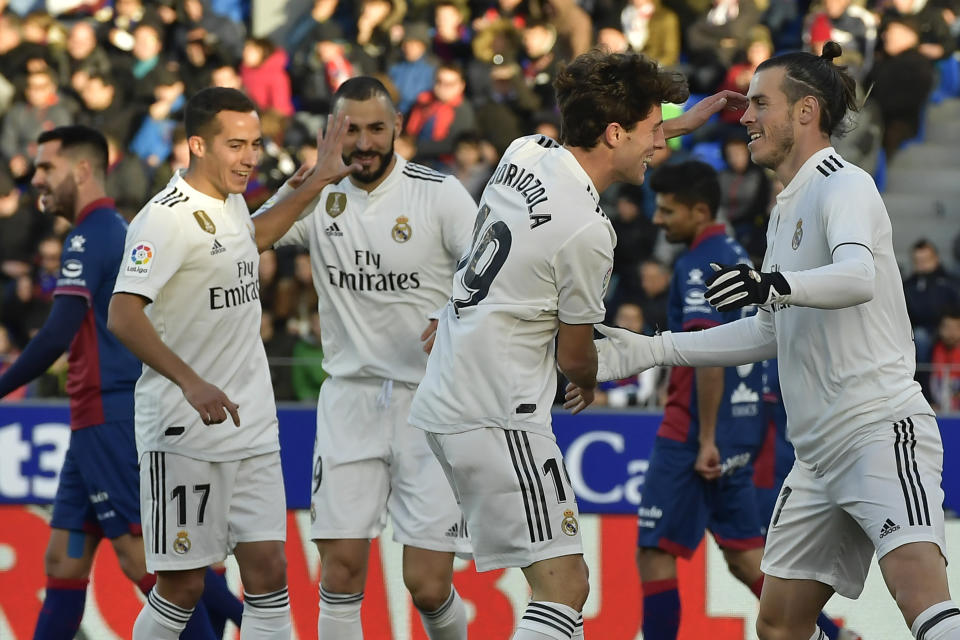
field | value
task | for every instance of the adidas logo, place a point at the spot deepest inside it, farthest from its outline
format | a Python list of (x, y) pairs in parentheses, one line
[(217, 248), (888, 528), (458, 530), (334, 230)]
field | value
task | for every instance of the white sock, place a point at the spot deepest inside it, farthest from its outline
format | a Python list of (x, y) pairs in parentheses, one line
[(449, 622), (339, 616), (266, 616), (160, 619), (939, 622), (548, 620)]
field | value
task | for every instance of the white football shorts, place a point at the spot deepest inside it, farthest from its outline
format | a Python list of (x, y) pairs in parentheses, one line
[(194, 512), (515, 493), (369, 462), (882, 494)]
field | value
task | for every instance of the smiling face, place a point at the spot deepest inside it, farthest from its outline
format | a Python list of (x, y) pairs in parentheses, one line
[(374, 126), (637, 147), (226, 160), (680, 222), (769, 119)]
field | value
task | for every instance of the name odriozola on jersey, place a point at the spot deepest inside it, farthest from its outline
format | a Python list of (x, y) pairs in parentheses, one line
[(840, 369), (541, 254), (195, 258), (382, 262)]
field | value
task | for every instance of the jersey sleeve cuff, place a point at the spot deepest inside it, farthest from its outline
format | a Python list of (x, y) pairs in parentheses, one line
[(581, 318), (74, 291)]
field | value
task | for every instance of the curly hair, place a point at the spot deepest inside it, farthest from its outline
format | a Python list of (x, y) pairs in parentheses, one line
[(598, 88)]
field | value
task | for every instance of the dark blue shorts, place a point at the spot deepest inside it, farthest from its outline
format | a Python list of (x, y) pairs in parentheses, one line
[(773, 463), (677, 505), (99, 490)]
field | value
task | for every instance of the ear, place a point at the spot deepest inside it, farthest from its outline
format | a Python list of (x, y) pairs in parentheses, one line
[(613, 134), (809, 110), (702, 212), (197, 145), (398, 126), (82, 171)]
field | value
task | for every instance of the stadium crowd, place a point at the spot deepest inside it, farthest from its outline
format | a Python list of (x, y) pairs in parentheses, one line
[(469, 77)]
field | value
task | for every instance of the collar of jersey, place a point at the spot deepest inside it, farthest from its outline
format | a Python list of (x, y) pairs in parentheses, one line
[(99, 203), (807, 171), (568, 158)]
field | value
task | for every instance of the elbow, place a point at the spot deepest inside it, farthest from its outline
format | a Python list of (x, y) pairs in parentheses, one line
[(865, 285), (578, 367), (114, 321)]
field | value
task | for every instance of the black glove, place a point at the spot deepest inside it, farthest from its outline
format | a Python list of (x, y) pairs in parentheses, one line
[(736, 286)]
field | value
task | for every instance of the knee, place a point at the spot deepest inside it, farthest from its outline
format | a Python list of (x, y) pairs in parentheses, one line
[(428, 593), (343, 573), (132, 566), (183, 589), (769, 628), (273, 572)]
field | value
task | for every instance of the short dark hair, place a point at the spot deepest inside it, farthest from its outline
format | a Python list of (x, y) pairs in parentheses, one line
[(361, 88), (598, 88), (200, 116), (808, 75), (689, 183), (923, 243), (79, 140)]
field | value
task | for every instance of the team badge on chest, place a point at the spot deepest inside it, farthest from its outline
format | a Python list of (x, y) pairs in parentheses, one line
[(797, 235), (336, 203), (402, 231), (204, 221), (182, 544)]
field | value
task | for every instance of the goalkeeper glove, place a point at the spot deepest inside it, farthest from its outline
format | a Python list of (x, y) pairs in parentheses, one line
[(736, 286)]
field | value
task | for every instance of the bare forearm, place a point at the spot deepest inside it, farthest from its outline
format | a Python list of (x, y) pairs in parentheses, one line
[(272, 223), (132, 327), (582, 373), (709, 397)]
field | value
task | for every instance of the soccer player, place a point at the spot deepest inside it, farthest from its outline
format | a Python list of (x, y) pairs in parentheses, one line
[(384, 243), (192, 255), (99, 483), (701, 466), (541, 256), (869, 454)]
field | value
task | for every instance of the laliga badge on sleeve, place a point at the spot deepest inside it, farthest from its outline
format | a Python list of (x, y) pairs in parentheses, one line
[(140, 260)]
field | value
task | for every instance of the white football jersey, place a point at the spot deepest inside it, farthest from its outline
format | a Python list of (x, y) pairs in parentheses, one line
[(382, 263), (195, 258), (541, 254), (840, 369)]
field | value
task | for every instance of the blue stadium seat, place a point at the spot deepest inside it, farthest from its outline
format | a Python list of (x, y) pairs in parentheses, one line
[(948, 85), (711, 153)]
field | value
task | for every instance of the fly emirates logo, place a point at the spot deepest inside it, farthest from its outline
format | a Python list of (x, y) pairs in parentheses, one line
[(365, 275), (246, 290)]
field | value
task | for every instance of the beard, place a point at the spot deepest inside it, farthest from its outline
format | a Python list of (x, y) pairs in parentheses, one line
[(371, 175), (61, 200), (783, 141)]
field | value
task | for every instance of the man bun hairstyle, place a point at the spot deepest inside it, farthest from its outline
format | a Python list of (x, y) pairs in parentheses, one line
[(833, 87)]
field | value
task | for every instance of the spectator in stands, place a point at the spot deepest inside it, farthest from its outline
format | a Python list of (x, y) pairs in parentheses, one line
[(945, 378), (717, 38), (105, 106), (902, 79), (14, 52), (451, 42), (935, 40), (653, 30), (154, 140), (375, 22), (127, 181), (507, 111), (264, 76), (8, 355), (85, 57), (303, 27), (117, 31), (759, 48), (849, 25), (541, 60), (636, 237), (279, 345), (197, 19), (21, 228), (472, 165), (199, 60), (322, 64), (414, 74), (929, 291), (655, 281), (225, 74), (439, 116), (308, 373), (745, 196), (146, 61), (42, 108), (179, 159), (27, 301)]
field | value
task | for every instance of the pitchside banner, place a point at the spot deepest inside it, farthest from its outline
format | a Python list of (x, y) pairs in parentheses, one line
[(606, 453)]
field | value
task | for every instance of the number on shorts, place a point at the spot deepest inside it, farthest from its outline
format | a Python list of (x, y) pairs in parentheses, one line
[(483, 263), (179, 494), (317, 473), (551, 468)]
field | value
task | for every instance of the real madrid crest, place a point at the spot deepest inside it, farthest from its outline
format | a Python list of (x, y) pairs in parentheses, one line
[(797, 235), (336, 203), (204, 221), (182, 544), (569, 525), (401, 231)]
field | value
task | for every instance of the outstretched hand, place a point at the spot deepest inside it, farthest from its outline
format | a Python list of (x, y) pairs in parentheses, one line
[(697, 115), (330, 167)]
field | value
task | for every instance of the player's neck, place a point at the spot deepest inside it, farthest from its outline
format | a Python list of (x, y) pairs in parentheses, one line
[(195, 178), (85, 198), (595, 164), (802, 151)]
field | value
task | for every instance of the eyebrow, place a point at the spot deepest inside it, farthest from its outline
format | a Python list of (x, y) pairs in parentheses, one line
[(759, 96), (43, 165), (244, 140)]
